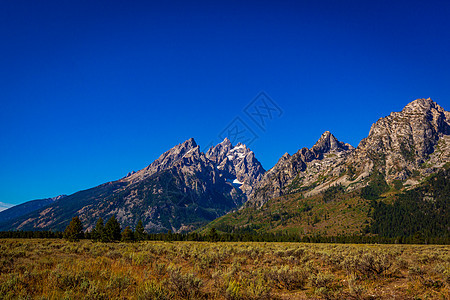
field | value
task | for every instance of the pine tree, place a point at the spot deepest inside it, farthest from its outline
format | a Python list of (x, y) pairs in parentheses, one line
[(74, 232), (127, 235), (213, 236), (98, 232), (112, 230), (139, 233)]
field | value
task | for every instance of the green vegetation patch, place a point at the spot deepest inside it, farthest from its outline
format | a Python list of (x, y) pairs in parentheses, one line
[(417, 215), (375, 188)]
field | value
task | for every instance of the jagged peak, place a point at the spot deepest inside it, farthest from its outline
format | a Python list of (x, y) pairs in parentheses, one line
[(175, 153), (282, 159), (421, 108), (226, 141), (328, 142), (239, 146), (286, 155), (226, 147), (189, 142), (326, 136), (422, 105)]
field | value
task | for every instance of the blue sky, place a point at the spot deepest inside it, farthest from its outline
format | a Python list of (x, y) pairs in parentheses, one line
[(91, 90)]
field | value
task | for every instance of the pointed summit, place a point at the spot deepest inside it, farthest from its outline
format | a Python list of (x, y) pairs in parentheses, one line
[(166, 160), (190, 143), (328, 142), (236, 163), (226, 141), (219, 152)]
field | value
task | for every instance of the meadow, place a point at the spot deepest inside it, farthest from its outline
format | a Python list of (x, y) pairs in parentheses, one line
[(58, 269)]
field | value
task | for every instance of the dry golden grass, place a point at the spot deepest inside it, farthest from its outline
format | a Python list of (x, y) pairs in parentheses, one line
[(57, 269)]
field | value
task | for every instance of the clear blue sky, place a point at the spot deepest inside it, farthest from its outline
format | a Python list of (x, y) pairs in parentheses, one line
[(91, 90)]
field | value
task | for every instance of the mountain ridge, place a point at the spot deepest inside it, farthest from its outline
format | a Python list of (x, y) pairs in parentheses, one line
[(26, 207), (180, 191), (185, 188), (308, 193)]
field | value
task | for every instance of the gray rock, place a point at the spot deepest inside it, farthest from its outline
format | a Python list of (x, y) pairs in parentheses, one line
[(304, 167), (400, 143), (412, 143)]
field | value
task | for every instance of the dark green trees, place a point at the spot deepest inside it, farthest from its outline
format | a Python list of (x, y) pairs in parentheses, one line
[(112, 230), (139, 233), (376, 187), (127, 235), (108, 232), (213, 236), (99, 230), (74, 232), (418, 215)]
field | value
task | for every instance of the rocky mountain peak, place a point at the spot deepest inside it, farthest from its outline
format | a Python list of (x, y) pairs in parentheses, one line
[(165, 161), (169, 157), (219, 152), (401, 142), (421, 105), (430, 110), (226, 141), (328, 142), (238, 163), (306, 166), (186, 145)]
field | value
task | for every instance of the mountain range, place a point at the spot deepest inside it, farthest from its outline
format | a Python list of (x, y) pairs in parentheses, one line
[(331, 188), (182, 190)]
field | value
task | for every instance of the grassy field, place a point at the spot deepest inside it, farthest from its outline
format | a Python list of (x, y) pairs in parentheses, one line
[(57, 269)]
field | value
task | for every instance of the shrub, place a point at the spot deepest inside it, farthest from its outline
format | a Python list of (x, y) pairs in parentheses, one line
[(153, 290), (232, 290), (285, 277), (248, 289), (186, 286), (356, 290), (321, 280), (368, 264), (120, 281), (258, 289)]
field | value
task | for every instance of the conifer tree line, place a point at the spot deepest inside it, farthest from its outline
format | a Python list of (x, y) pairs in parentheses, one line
[(104, 232), (216, 236)]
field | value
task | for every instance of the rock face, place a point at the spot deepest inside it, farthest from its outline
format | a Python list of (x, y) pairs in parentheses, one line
[(167, 160), (301, 169), (181, 190), (399, 144), (329, 143), (238, 164), (405, 145)]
